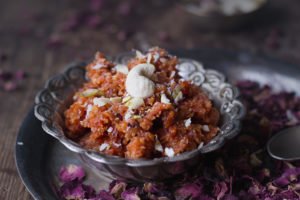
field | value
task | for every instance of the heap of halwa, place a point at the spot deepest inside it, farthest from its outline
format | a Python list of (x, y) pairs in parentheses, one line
[(140, 110)]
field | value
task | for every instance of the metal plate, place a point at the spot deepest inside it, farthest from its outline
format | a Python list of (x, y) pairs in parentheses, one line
[(39, 157)]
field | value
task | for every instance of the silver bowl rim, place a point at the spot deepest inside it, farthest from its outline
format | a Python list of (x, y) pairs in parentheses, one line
[(214, 144)]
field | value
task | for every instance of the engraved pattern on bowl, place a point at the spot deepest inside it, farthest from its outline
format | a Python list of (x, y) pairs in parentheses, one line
[(54, 99)]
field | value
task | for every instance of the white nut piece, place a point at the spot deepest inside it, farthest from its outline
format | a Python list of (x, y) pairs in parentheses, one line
[(138, 83)]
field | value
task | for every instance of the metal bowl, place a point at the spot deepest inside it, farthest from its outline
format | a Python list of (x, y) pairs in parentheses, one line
[(56, 97)]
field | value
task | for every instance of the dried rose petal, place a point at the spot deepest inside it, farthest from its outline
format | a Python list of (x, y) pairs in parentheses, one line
[(189, 190), (54, 41), (290, 175), (130, 194), (20, 75), (70, 173), (94, 21), (104, 195), (230, 197), (220, 189), (75, 21), (76, 190), (117, 187), (5, 75), (125, 8), (96, 5), (10, 86)]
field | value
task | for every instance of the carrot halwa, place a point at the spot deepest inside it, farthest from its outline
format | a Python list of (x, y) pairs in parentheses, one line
[(140, 110)]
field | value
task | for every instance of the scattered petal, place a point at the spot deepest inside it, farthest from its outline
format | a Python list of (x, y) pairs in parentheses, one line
[(71, 172)]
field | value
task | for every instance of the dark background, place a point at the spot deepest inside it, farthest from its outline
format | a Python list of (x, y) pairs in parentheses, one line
[(41, 37)]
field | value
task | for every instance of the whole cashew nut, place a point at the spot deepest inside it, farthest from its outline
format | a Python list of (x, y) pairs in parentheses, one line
[(138, 83)]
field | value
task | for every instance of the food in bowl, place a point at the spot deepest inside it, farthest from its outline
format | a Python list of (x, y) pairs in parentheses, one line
[(143, 109)]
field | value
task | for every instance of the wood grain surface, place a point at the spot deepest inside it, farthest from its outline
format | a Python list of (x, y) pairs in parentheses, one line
[(34, 39)]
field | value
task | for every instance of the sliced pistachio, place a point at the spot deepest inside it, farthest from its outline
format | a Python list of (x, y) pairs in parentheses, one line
[(136, 116), (125, 99), (91, 92), (178, 97), (116, 99), (177, 94), (176, 90)]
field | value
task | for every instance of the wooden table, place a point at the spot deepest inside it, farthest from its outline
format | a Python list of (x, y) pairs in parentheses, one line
[(34, 38)]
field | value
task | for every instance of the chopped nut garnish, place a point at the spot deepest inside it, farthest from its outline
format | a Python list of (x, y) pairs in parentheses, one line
[(98, 66), (104, 146), (169, 152), (116, 99), (205, 128), (187, 122), (138, 83), (100, 101), (91, 92), (110, 129), (164, 99)]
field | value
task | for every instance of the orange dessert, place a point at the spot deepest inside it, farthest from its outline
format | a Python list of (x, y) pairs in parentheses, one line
[(140, 110)]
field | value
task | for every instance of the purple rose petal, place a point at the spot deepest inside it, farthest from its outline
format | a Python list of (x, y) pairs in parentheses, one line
[(290, 175), (54, 41), (10, 86), (96, 5), (20, 75), (220, 190), (76, 190), (94, 21), (117, 187), (71, 173), (189, 190), (125, 8), (131, 194), (104, 195)]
